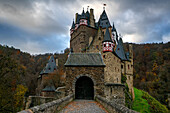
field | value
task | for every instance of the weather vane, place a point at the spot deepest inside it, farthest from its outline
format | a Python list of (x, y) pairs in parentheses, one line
[(104, 5), (87, 8)]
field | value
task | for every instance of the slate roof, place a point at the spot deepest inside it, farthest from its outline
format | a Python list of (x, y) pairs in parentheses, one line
[(50, 66), (113, 28), (107, 37), (103, 20), (84, 59), (83, 16), (73, 25), (49, 88), (120, 50)]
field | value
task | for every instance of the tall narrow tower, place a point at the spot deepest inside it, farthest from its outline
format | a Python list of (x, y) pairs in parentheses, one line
[(107, 42)]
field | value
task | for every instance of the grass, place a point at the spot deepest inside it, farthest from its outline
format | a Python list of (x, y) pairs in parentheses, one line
[(141, 105)]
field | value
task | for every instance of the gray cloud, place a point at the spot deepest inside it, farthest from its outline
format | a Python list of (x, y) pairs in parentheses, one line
[(44, 21)]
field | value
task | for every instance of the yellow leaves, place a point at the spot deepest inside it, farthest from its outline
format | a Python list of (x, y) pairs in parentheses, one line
[(19, 95), (48, 57), (155, 67), (143, 80), (18, 52)]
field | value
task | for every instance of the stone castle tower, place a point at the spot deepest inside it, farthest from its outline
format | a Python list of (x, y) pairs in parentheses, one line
[(89, 37)]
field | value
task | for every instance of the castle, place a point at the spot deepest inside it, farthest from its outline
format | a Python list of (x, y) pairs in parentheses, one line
[(97, 62)]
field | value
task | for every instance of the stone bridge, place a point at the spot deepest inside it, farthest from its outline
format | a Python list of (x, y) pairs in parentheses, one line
[(69, 105)]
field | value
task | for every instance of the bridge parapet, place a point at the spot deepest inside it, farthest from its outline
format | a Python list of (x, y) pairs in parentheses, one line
[(50, 107), (113, 107)]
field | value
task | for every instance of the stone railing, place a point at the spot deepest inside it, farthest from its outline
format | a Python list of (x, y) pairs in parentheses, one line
[(50, 107), (113, 107), (32, 101)]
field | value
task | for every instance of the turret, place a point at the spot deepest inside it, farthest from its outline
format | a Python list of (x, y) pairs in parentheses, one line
[(107, 42), (83, 20), (72, 28), (114, 35)]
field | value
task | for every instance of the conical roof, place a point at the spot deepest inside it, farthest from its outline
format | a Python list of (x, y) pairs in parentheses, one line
[(50, 66), (113, 28), (107, 37), (120, 50), (103, 20), (83, 16), (73, 25)]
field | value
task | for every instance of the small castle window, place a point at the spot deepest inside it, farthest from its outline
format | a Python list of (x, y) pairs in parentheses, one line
[(128, 66), (122, 66), (99, 38), (97, 46)]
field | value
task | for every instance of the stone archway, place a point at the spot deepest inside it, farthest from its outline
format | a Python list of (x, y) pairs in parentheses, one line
[(84, 88)]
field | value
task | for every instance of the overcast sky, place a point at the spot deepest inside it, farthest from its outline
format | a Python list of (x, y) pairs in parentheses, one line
[(42, 26)]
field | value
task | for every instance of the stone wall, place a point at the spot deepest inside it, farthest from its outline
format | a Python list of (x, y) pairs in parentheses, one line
[(36, 100), (112, 71), (115, 92), (113, 107), (95, 73), (80, 38), (50, 107)]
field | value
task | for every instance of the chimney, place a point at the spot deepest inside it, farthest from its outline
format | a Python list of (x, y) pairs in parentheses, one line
[(92, 21), (76, 18), (57, 62)]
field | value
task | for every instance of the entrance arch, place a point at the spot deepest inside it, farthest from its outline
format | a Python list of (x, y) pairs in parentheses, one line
[(84, 88)]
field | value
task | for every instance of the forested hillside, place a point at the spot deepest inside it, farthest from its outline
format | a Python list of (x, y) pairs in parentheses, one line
[(18, 75), (19, 72), (152, 69)]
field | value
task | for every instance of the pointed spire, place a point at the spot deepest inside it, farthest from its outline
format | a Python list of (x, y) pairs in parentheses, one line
[(113, 28), (107, 37), (83, 16), (103, 20), (73, 25)]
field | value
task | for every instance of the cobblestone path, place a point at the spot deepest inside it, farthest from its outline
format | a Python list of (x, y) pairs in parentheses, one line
[(83, 106)]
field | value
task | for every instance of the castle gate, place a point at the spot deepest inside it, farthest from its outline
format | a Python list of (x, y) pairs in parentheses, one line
[(84, 88)]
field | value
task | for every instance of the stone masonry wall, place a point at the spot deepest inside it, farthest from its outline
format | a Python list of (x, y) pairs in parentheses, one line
[(80, 38), (112, 70), (95, 73), (115, 92), (113, 107), (50, 107)]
